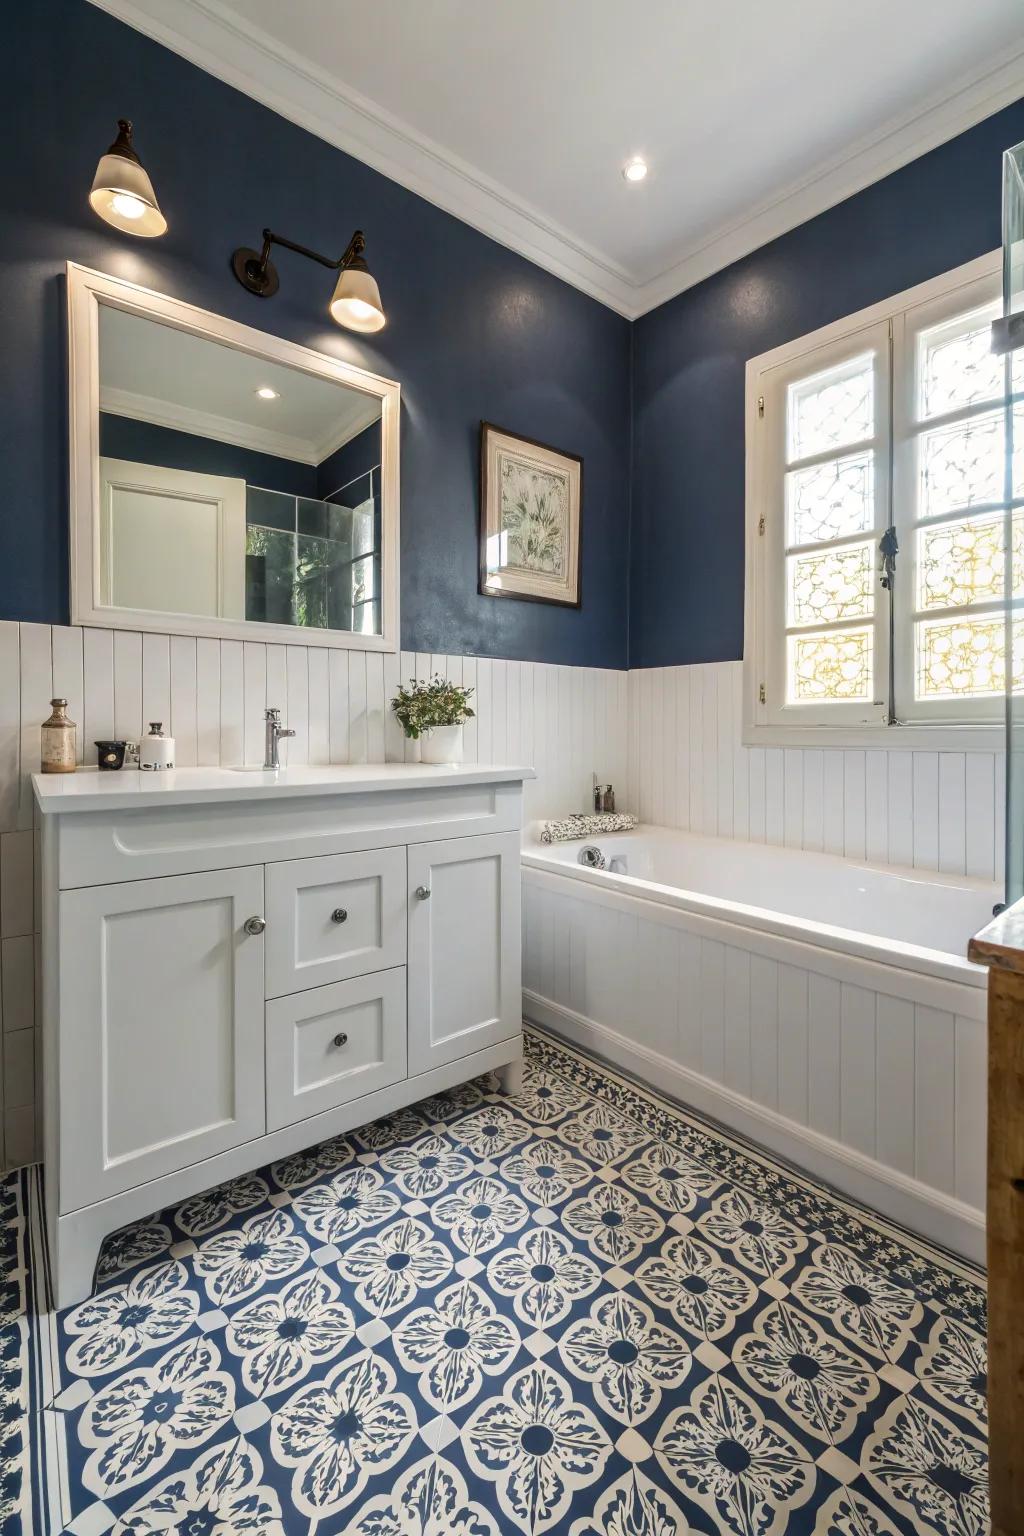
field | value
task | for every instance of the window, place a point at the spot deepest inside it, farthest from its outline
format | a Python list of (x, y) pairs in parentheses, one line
[(890, 423)]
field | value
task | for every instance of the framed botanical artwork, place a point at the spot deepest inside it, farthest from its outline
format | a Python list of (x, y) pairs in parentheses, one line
[(530, 499)]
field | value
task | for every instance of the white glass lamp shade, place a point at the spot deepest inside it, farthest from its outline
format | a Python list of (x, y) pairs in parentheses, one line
[(122, 192), (356, 301)]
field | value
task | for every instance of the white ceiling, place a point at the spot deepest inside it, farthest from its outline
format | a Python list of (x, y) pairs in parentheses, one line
[(155, 373), (517, 116)]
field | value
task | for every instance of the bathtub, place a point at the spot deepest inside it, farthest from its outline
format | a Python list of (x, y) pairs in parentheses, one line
[(821, 1007)]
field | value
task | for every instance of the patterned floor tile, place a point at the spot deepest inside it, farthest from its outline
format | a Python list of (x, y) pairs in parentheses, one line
[(579, 1311)]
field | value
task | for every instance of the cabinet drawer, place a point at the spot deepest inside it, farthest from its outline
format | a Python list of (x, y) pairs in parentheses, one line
[(335, 917), (333, 1044)]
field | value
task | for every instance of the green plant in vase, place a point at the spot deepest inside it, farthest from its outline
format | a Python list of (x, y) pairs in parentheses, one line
[(434, 712)]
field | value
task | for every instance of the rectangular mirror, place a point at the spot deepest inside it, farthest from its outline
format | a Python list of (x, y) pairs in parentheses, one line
[(224, 481)]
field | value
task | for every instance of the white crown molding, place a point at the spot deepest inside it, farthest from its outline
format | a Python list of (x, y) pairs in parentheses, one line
[(213, 37), (899, 141), (341, 435), (221, 429)]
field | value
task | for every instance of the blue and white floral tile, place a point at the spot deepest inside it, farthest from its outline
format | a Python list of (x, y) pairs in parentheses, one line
[(579, 1311)]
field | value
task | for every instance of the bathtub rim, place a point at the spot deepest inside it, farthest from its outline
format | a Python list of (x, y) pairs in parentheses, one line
[(870, 948)]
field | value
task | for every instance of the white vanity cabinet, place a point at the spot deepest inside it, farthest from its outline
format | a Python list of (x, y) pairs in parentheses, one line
[(236, 966)]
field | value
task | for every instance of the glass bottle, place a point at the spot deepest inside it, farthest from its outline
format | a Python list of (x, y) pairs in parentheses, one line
[(58, 740)]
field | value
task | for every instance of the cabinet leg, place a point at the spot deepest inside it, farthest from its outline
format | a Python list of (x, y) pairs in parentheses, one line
[(510, 1076), (73, 1267)]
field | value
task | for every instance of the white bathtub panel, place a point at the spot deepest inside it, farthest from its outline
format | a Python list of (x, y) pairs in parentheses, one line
[(858, 1068), (736, 1065), (764, 1031), (711, 1002), (688, 1018), (793, 1049), (971, 1110), (895, 1090), (823, 1055), (935, 1097), (877, 1093)]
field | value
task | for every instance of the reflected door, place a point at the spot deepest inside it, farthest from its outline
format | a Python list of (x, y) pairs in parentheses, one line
[(171, 540)]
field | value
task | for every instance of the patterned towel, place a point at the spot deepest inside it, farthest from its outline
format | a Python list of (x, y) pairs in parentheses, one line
[(572, 827)]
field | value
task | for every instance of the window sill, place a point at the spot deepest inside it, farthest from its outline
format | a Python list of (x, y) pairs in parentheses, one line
[(883, 738)]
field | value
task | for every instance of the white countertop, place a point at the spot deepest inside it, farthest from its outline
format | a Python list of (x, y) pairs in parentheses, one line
[(91, 789)]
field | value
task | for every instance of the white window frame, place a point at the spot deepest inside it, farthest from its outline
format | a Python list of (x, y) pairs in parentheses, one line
[(768, 720)]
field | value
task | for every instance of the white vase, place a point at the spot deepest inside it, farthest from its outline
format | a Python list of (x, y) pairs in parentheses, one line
[(442, 745)]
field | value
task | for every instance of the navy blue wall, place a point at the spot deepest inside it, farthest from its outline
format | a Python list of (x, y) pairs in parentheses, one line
[(689, 359), (350, 462), (142, 442), (474, 331)]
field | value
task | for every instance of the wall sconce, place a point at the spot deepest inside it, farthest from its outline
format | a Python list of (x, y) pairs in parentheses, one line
[(122, 193), (355, 302)]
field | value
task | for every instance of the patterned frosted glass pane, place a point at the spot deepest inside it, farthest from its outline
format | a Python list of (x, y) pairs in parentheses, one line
[(963, 657), (962, 563), (832, 409), (835, 584), (830, 667), (962, 465), (959, 371), (832, 500)]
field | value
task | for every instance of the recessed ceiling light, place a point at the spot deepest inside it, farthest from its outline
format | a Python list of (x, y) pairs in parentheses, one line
[(635, 169), (266, 393)]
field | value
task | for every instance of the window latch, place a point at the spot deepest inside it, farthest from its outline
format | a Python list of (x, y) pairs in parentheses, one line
[(888, 548)]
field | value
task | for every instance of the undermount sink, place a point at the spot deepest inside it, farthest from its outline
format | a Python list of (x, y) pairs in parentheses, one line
[(253, 768)]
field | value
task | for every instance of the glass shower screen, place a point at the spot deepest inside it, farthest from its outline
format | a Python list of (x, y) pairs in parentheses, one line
[(1008, 338)]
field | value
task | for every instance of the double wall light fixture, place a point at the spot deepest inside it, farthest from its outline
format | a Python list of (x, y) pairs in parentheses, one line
[(123, 195), (355, 302)]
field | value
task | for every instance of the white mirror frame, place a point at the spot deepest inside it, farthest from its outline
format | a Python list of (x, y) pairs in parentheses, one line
[(86, 290)]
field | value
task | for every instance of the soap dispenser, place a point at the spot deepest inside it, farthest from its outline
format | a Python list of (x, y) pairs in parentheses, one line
[(156, 750)]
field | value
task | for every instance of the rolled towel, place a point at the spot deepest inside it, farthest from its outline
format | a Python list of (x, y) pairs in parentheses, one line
[(572, 827)]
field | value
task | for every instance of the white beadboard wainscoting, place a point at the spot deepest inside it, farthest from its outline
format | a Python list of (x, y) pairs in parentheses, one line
[(568, 722), (688, 768), (869, 1076)]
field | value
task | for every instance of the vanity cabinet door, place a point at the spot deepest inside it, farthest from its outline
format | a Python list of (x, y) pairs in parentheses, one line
[(162, 1039), (465, 983)]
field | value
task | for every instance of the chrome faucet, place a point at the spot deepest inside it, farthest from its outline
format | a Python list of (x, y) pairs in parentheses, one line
[(273, 735)]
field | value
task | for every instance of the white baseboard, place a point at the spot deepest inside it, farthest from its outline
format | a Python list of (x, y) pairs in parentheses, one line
[(914, 1205)]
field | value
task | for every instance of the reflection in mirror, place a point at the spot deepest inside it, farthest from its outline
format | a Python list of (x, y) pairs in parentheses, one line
[(232, 487)]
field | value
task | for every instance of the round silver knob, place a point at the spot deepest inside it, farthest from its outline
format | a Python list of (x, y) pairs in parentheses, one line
[(423, 891), (254, 925), (339, 915), (340, 1040)]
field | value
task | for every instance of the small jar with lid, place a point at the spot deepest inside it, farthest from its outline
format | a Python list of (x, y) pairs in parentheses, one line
[(58, 740)]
